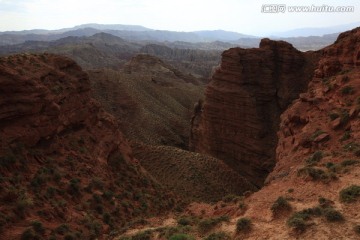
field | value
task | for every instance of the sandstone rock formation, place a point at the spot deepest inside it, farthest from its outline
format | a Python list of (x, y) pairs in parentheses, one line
[(243, 103), (62, 158), (316, 178)]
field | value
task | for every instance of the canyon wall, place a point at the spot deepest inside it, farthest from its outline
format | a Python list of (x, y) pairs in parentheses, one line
[(247, 93)]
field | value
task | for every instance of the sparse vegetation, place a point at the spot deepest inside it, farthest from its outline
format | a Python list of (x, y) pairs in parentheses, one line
[(334, 116), (243, 225), (62, 229), (350, 194), (332, 215), (231, 198), (281, 205), (181, 236), (218, 236), (184, 221), (353, 147), (297, 223), (38, 227), (146, 235), (345, 136), (74, 186), (347, 90), (317, 133), (316, 174), (208, 224), (298, 220), (29, 234), (349, 162), (316, 157)]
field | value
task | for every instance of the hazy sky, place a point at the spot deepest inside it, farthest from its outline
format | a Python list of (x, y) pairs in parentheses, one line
[(179, 15)]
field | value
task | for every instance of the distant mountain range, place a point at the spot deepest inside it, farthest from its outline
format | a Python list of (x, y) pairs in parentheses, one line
[(139, 35), (306, 32)]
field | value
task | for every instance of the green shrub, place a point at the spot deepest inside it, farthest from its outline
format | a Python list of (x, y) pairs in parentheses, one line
[(346, 136), (181, 236), (208, 224), (280, 205), (62, 229), (316, 157), (38, 227), (142, 236), (22, 204), (350, 194), (184, 221), (297, 224), (314, 173), (167, 232), (334, 116), (347, 90), (74, 186), (107, 218), (332, 215), (218, 236), (317, 133), (243, 225), (349, 162), (298, 220), (29, 234), (352, 147), (230, 198)]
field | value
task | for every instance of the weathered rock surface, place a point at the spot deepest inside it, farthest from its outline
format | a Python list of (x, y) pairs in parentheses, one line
[(66, 154), (243, 103)]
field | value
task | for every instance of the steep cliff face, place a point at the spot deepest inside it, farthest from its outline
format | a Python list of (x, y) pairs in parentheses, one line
[(326, 116), (313, 191), (243, 102), (62, 158)]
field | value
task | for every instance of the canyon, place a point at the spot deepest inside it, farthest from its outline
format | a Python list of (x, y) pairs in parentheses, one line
[(102, 152)]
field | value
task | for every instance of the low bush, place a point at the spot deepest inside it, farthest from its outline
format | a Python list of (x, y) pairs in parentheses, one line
[(208, 224), (314, 173), (184, 221), (218, 236), (280, 205), (347, 90), (243, 225), (350, 194), (38, 227), (29, 234), (142, 236), (349, 162), (332, 215), (181, 236), (316, 157)]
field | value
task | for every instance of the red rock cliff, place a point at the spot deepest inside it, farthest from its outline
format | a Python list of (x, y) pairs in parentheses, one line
[(62, 158), (243, 102)]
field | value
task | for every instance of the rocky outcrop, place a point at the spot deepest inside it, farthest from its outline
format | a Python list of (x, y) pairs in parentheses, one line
[(71, 163), (243, 103), (325, 118)]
